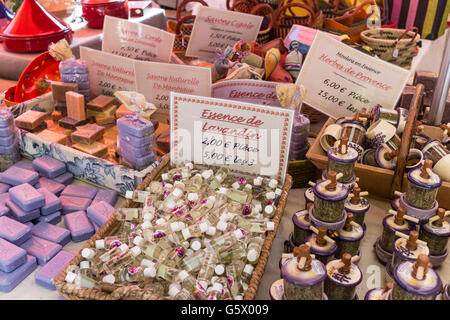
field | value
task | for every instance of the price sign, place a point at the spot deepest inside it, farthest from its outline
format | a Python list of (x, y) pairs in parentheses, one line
[(341, 80)]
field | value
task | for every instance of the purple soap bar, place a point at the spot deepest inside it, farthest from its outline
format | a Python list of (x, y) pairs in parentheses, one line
[(13, 231), (109, 196), (52, 186), (42, 249), (72, 204), (65, 178), (7, 131), (49, 167), (51, 233), (100, 212), (9, 281), (22, 216), (78, 224), (127, 148), (96, 226), (136, 142), (52, 202), (4, 210), (8, 140), (26, 197), (25, 165), (80, 191), (4, 187), (11, 256), (6, 118), (16, 176), (138, 127), (53, 218), (29, 224), (50, 271), (140, 162)]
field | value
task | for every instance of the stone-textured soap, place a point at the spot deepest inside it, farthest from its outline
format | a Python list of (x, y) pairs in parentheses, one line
[(26, 197), (30, 119), (78, 224), (22, 216), (65, 178), (51, 185), (100, 212), (16, 175), (8, 281), (80, 191), (14, 231), (53, 218), (51, 233), (11, 256), (50, 271), (49, 167), (72, 204), (52, 202), (42, 249), (109, 196)]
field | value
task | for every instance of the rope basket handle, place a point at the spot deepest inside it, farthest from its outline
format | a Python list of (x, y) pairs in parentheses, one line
[(262, 7), (178, 32), (185, 2), (282, 12), (415, 29), (245, 3)]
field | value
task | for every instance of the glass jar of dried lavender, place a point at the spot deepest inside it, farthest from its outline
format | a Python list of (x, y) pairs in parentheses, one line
[(408, 249), (436, 234), (329, 199), (391, 224), (422, 187), (342, 159), (358, 206), (349, 237)]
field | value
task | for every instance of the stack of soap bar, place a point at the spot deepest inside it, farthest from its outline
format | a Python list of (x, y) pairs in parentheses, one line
[(51, 233), (13, 231), (49, 167), (16, 175), (59, 90), (50, 271), (100, 212), (57, 137), (8, 281), (71, 124), (103, 109), (43, 250), (52, 185), (31, 120), (137, 134), (65, 178), (26, 197), (52, 202), (88, 134), (11, 256), (53, 218), (9, 140), (78, 224), (20, 215), (75, 71)]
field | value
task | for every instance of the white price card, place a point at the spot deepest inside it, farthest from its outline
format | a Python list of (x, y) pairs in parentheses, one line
[(247, 138), (341, 80), (136, 40), (214, 28)]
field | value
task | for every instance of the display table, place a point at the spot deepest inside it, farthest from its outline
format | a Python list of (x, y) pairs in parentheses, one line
[(12, 63)]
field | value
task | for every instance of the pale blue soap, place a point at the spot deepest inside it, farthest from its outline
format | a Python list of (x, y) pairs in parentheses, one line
[(53, 218), (26, 197), (52, 202), (20, 215), (15, 176), (51, 233), (78, 224), (14, 231), (49, 167), (65, 178), (100, 212), (51, 185), (80, 191), (42, 249), (11, 256), (50, 271), (72, 204), (8, 281)]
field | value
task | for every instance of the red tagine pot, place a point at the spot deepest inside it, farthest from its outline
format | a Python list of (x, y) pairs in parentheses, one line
[(94, 11), (33, 28)]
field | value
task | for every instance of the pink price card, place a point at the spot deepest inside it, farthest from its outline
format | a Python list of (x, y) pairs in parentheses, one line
[(304, 35)]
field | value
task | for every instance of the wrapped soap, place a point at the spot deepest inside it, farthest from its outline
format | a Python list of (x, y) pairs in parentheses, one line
[(127, 149), (136, 103), (75, 71), (422, 187), (272, 59), (293, 63), (135, 127), (343, 277)]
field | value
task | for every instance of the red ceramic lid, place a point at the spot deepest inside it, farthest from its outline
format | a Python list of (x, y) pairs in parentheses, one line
[(32, 20)]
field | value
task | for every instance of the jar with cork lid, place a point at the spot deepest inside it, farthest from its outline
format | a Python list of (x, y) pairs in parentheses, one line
[(349, 237), (386, 157), (436, 234), (302, 225), (408, 248), (422, 187), (321, 245), (435, 151), (358, 205), (416, 280), (342, 159), (355, 132), (343, 276), (380, 293)]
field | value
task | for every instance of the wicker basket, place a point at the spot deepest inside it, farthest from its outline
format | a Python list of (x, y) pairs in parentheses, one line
[(264, 36), (397, 46), (73, 292), (302, 171)]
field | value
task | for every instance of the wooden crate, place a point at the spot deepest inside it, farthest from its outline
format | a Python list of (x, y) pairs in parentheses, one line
[(377, 181)]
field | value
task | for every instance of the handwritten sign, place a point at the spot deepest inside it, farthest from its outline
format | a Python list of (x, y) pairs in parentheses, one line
[(108, 73), (247, 138), (251, 91), (156, 80), (341, 80), (215, 28), (136, 40)]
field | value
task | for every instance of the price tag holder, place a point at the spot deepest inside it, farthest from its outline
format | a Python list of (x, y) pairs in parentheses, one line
[(341, 80), (247, 138), (215, 28), (136, 40)]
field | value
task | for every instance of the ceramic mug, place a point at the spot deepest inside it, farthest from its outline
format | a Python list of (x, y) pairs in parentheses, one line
[(413, 155), (382, 131), (331, 134)]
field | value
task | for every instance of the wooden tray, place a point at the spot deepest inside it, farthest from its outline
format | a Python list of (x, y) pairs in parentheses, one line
[(73, 292)]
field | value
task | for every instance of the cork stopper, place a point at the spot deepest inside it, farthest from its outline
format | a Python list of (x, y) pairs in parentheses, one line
[(420, 267), (304, 258), (308, 207), (391, 155), (441, 215), (320, 236), (445, 127), (347, 261), (332, 177), (348, 222), (411, 243), (343, 145), (388, 286), (356, 197), (427, 164), (399, 219)]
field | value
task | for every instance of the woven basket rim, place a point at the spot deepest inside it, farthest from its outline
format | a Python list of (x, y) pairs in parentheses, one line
[(403, 41)]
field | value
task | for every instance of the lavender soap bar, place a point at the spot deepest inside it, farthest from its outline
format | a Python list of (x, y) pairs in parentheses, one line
[(52, 202), (4, 187), (49, 167), (20, 215), (109, 196), (80, 191), (42, 249), (13, 231), (26, 197), (15, 176), (51, 233), (8, 281), (65, 179), (53, 218), (100, 212), (78, 224), (138, 127), (51, 185), (50, 271), (11, 256), (72, 204)]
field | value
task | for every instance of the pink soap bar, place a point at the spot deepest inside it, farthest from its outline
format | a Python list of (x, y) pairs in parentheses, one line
[(51, 233), (4, 210), (78, 224), (4, 187), (109, 196), (49, 167), (53, 218), (42, 249), (65, 179), (80, 191), (11, 256), (50, 271), (72, 204), (10, 280), (52, 202), (100, 212), (22, 216), (26, 197), (52, 186), (13, 231), (15, 175)]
